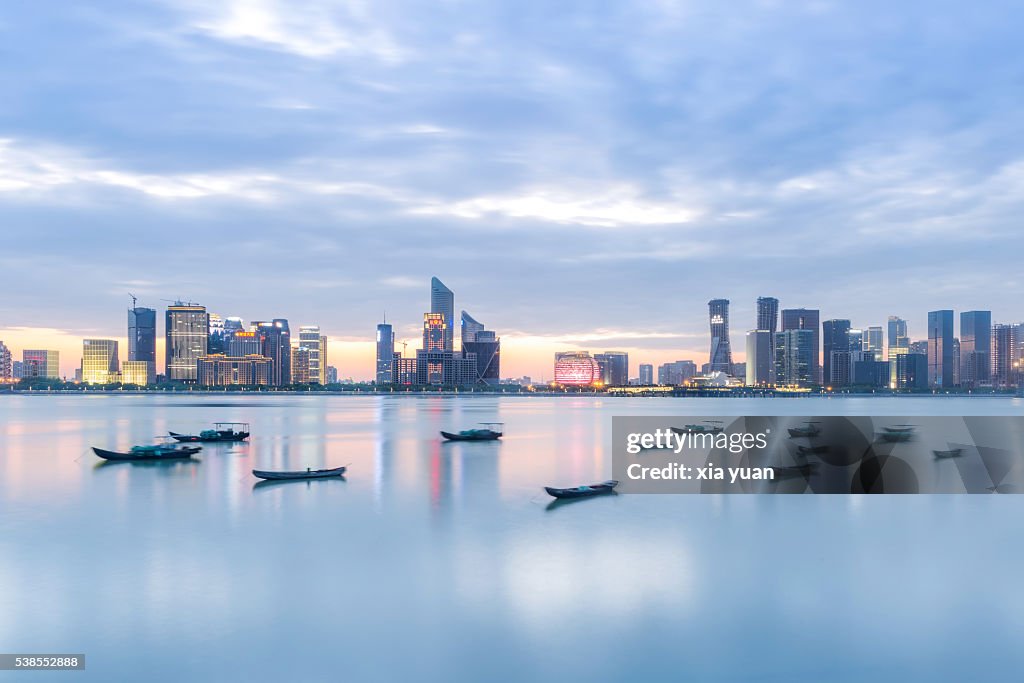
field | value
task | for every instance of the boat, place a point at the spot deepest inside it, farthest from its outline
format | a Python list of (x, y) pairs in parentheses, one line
[(812, 429), (222, 432), (811, 450), (897, 433), (583, 491), (307, 474), (158, 452), (714, 427), (954, 453), (490, 432)]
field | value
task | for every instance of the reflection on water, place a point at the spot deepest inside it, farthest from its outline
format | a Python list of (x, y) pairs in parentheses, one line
[(447, 561)]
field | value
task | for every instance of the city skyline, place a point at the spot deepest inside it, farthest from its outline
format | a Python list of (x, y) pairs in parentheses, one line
[(345, 152)]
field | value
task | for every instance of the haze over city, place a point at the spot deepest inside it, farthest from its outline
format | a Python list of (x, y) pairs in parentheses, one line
[(587, 181)]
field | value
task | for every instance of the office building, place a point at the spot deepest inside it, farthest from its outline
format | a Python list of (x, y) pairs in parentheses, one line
[(136, 372), (806, 319), (576, 368), (332, 374), (975, 348), (760, 370), (385, 353), (435, 332), (142, 340), (1006, 354), (676, 373), (445, 368), (311, 338), (794, 356), (302, 366), (478, 340), (835, 339), (6, 370), (404, 371), (99, 361), (856, 339), (17, 369), (218, 370), (241, 343), (898, 338), (276, 344), (912, 371), (614, 368), (470, 327), (442, 302), (869, 372), (40, 363), (768, 314), (940, 349), (874, 342), (187, 333), (646, 374), (720, 358), (215, 343)]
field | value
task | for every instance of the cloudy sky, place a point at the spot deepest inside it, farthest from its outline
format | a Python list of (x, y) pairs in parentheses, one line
[(582, 175)]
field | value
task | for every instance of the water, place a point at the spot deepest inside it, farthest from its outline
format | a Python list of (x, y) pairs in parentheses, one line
[(442, 562)]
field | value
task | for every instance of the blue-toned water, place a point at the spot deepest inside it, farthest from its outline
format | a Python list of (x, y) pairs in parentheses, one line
[(442, 562)]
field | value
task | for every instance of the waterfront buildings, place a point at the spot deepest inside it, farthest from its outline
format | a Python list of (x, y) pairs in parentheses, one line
[(5, 363), (242, 343), (442, 302), (40, 363), (676, 373), (302, 362), (768, 314), (912, 371), (975, 348), (940, 349), (898, 338), (835, 339), (215, 342), (720, 358), (576, 368), (760, 362), (1007, 341), (332, 374), (100, 361), (219, 370), (470, 327), (794, 357), (385, 353), (187, 333), (142, 340), (276, 344), (646, 374), (805, 319), (874, 342), (311, 338), (485, 346), (614, 368), (137, 372)]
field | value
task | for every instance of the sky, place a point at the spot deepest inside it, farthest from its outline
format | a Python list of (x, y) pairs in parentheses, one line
[(583, 175)]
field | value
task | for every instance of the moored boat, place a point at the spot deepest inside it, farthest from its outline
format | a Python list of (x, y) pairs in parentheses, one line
[(954, 453), (583, 491), (811, 450), (149, 453), (711, 427), (221, 432), (897, 433), (490, 432), (810, 430), (307, 474)]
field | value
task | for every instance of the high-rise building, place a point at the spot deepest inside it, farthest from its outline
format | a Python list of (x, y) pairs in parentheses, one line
[(435, 332), (216, 342), (806, 319), (142, 339), (470, 327), (17, 369), (1006, 354), (646, 374), (385, 353), (5, 363), (912, 371), (276, 344), (676, 373), (760, 358), (975, 348), (576, 368), (332, 374), (835, 337), (99, 361), (442, 301), (316, 343), (41, 363), (302, 365), (794, 356), (898, 338), (614, 368), (218, 370), (187, 333), (486, 347), (856, 339), (720, 359), (940, 349), (874, 342), (242, 343), (767, 314), (137, 372)]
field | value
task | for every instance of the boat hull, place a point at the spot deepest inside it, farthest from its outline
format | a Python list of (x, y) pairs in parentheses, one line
[(184, 453), (221, 438), (308, 474), (493, 436), (582, 492)]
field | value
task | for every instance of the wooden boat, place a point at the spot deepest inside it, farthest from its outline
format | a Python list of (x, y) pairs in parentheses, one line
[(222, 432), (308, 474), (488, 433), (955, 453), (812, 429), (712, 428), (583, 491), (811, 450), (150, 453), (897, 433)]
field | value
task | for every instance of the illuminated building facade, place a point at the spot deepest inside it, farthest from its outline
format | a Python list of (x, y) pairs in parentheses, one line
[(898, 338), (794, 358), (187, 333), (435, 332), (646, 374), (874, 342), (40, 363), (614, 368), (136, 372), (768, 314), (676, 373), (940, 349), (142, 339), (5, 363), (385, 353), (721, 354), (806, 319), (442, 302), (219, 370), (276, 344), (1006, 354), (310, 337), (835, 339), (99, 361), (242, 343), (576, 368), (302, 370)]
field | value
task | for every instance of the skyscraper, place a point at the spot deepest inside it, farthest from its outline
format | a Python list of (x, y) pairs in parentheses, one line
[(435, 332), (898, 338), (835, 339), (310, 337), (216, 342), (470, 327), (43, 363), (442, 301), (794, 357), (646, 374), (187, 331), (720, 358), (385, 353), (614, 368), (485, 345), (142, 339), (975, 347), (806, 319), (302, 362), (99, 361), (1006, 353), (940, 349), (874, 342), (760, 359), (767, 314), (276, 344), (5, 363)]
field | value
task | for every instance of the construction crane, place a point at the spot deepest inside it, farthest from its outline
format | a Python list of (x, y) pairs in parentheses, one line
[(134, 300)]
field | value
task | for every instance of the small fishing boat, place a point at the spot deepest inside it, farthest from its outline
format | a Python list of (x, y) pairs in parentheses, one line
[(954, 453), (221, 432), (710, 427), (897, 433), (308, 474), (162, 451), (490, 432), (583, 491), (811, 429), (811, 450)]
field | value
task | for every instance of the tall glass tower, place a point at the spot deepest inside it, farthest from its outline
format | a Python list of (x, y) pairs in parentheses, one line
[(806, 319), (975, 347), (721, 354), (940, 348), (385, 353), (442, 300), (188, 332), (142, 339), (768, 313)]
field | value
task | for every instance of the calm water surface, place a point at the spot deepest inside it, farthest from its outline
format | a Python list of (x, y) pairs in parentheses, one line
[(443, 562)]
